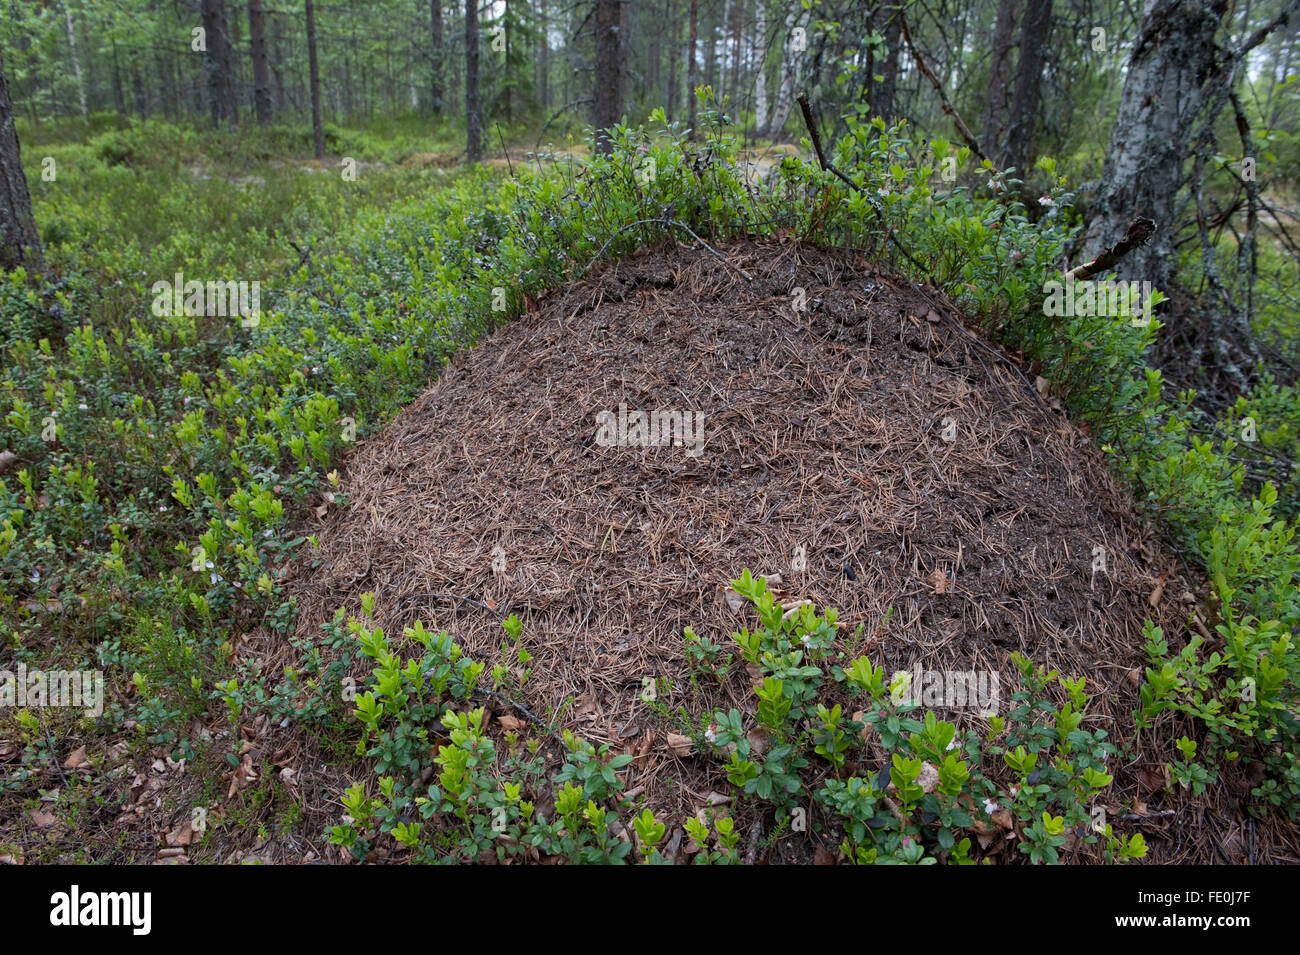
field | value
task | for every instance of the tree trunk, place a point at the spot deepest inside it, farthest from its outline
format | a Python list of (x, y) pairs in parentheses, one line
[(995, 105), (277, 63), (737, 62), (607, 100), (1029, 79), (882, 93), (544, 59), (473, 109), (119, 97), (220, 64), (691, 75), (791, 67), (313, 68), (261, 69), (20, 243), (670, 94), (758, 53), (76, 62), (1173, 53), (435, 56)]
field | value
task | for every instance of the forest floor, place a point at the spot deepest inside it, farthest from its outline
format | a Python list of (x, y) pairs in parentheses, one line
[(862, 448)]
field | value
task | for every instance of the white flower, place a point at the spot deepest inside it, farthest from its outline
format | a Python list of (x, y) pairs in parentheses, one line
[(990, 807), (806, 639), (1046, 201), (954, 744), (711, 736)]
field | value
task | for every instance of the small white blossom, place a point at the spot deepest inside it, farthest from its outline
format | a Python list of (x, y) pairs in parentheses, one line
[(990, 807)]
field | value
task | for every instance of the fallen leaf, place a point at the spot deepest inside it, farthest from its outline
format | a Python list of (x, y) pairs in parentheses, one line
[(511, 724), (180, 836), (7, 460), (42, 818), (586, 705), (824, 856), (735, 602), (938, 581), (77, 760), (1003, 818), (242, 776), (680, 745)]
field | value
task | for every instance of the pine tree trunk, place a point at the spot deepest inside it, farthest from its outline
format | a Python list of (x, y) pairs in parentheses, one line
[(20, 243), (261, 69), (435, 56), (607, 102), (1029, 79), (313, 68), (995, 106), (883, 93), (692, 77), (758, 53), (219, 61), (670, 97), (473, 109)]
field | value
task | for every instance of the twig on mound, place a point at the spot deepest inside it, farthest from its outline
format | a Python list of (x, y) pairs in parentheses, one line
[(519, 708), (469, 600), (1140, 229), (830, 167)]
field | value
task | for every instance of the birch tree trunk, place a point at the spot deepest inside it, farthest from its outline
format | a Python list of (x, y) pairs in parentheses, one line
[(76, 61), (792, 61)]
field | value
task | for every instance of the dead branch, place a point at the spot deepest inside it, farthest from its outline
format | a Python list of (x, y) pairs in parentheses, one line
[(826, 164), (962, 129), (1140, 229)]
